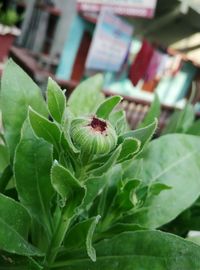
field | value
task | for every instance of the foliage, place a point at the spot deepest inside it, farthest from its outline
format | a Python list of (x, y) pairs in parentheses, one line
[(184, 122), (8, 13), (91, 197), (9, 17)]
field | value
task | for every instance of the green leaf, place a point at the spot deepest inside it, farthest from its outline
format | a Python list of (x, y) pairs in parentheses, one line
[(4, 157), (119, 228), (18, 92), (108, 164), (15, 262), (132, 168), (94, 186), (56, 100), (130, 147), (5, 177), (194, 129), (126, 199), (68, 156), (119, 121), (122, 125), (180, 120), (67, 142), (156, 188), (32, 165), (87, 96), (107, 106), (81, 235), (106, 205), (154, 112), (143, 134), (14, 224), (90, 249), (66, 184), (170, 160), (44, 128), (140, 250)]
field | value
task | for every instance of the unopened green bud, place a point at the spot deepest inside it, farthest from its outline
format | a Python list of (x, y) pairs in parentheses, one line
[(93, 135)]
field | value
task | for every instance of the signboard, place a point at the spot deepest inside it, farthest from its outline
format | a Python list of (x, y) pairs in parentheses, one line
[(110, 44), (138, 8)]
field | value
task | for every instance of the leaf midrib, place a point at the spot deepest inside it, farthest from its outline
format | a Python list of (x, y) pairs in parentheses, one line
[(174, 164), (58, 105), (51, 136), (40, 196)]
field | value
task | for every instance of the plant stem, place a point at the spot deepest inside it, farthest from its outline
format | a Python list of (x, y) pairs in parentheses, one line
[(108, 221), (59, 235)]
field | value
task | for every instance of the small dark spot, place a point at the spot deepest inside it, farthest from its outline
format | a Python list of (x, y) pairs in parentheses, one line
[(98, 125)]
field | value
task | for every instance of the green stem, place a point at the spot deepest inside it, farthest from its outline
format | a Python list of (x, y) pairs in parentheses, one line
[(59, 235), (108, 221)]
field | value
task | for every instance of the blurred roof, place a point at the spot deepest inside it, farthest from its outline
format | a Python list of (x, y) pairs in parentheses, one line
[(176, 24), (195, 4)]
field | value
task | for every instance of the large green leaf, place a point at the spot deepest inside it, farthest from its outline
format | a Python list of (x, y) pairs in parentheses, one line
[(32, 167), (194, 129), (140, 250), (18, 91), (56, 100), (172, 160), (15, 262), (14, 224), (87, 96)]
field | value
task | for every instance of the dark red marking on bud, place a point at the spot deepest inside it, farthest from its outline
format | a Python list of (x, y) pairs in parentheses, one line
[(98, 125)]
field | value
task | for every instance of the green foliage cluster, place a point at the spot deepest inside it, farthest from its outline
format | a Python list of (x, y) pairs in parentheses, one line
[(9, 17), (8, 12), (64, 209)]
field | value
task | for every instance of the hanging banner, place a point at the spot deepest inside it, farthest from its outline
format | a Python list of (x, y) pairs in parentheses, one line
[(136, 8), (110, 44)]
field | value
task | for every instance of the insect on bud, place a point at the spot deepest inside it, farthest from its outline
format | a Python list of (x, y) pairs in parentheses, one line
[(93, 135)]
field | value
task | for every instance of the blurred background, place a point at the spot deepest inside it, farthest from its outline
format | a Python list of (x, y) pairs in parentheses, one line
[(143, 47)]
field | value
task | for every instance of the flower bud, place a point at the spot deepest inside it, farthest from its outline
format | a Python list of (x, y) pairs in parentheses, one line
[(93, 135)]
